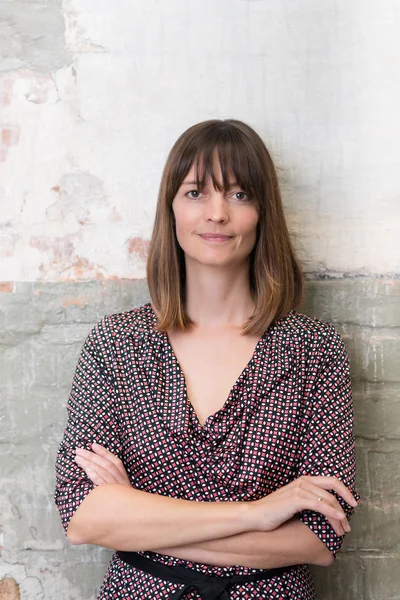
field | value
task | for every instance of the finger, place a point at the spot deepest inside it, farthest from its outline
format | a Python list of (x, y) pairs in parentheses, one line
[(102, 451), (328, 497), (87, 466), (94, 477), (107, 474), (322, 506), (99, 461), (341, 526), (321, 493), (117, 462), (333, 483), (96, 469), (345, 525), (337, 526)]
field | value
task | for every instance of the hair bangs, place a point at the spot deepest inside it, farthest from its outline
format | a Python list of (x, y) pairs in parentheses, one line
[(236, 160), (233, 151)]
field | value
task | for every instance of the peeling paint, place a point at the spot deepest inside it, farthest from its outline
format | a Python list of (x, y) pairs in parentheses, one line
[(32, 35), (18, 583), (138, 246), (79, 301), (60, 250), (62, 259), (6, 89), (35, 89), (93, 136), (115, 215), (82, 194), (83, 268), (7, 287), (9, 136), (27, 86), (7, 244), (9, 589)]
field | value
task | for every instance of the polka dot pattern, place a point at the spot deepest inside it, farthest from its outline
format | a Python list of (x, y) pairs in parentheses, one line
[(288, 414)]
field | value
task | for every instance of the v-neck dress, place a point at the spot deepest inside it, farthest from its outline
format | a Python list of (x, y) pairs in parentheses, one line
[(288, 414)]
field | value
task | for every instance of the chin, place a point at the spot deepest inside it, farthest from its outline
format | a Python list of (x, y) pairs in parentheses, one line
[(214, 261)]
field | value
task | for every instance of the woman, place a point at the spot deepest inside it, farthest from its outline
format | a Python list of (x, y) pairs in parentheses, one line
[(210, 438)]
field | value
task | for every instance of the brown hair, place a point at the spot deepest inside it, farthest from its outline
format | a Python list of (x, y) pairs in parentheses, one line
[(276, 280)]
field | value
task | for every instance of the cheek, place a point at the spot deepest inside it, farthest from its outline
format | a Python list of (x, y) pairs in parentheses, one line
[(249, 232), (185, 224), (182, 225), (250, 225)]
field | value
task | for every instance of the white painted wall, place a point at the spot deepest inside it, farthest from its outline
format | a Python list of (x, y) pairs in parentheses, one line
[(83, 145)]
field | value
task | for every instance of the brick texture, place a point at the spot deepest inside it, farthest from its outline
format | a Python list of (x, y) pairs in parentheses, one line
[(44, 326), (9, 589)]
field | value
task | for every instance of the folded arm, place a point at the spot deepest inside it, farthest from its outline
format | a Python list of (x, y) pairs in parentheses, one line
[(261, 533), (120, 517), (290, 544)]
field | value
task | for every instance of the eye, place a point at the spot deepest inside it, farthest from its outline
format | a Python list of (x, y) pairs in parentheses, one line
[(193, 192), (241, 196)]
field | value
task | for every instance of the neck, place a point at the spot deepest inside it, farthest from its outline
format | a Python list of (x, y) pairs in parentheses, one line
[(218, 296)]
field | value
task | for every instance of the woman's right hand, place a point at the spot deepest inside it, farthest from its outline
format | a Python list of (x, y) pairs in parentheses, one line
[(305, 493), (101, 466)]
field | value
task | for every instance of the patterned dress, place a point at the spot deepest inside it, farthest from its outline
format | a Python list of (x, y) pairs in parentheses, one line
[(288, 414)]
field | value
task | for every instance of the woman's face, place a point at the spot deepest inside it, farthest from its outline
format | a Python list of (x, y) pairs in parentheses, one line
[(212, 227)]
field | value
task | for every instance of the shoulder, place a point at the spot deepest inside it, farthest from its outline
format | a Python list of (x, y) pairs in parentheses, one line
[(311, 333), (130, 323)]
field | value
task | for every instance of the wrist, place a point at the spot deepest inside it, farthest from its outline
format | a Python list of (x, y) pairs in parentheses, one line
[(248, 516)]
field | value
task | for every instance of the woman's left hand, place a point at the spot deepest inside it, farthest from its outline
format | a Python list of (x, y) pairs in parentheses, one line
[(102, 466)]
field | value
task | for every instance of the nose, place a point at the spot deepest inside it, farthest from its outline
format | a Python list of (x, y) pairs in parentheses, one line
[(216, 209)]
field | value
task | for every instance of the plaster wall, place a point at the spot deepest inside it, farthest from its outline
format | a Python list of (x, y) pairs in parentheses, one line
[(92, 97)]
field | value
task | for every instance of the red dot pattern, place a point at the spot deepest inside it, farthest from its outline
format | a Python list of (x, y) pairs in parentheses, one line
[(289, 414)]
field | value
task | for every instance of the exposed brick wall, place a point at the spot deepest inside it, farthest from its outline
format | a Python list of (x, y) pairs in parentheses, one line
[(45, 325), (9, 589)]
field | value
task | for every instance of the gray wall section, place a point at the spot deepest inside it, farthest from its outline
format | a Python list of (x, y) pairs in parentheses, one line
[(32, 35), (45, 326)]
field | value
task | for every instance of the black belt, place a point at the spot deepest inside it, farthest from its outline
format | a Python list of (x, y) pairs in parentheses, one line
[(207, 586)]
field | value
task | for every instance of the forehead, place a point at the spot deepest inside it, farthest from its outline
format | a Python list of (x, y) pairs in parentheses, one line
[(211, 169), (199, 173)]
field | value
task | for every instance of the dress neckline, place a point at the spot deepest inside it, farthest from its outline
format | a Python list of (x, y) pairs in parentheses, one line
[(228, 401), (243, 374)]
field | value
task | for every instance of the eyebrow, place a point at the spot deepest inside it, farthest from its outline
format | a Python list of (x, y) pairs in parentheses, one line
[(232, 184)]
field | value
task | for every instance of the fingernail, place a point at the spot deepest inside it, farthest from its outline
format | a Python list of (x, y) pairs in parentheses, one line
[(79, 451)]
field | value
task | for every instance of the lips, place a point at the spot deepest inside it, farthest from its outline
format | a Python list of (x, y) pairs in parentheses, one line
[(215, 237)]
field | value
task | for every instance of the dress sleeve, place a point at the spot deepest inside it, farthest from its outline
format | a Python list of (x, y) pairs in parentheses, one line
[(328, 446), (92, 417)]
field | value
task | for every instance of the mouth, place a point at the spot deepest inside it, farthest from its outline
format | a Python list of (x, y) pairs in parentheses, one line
[(215, 237)]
